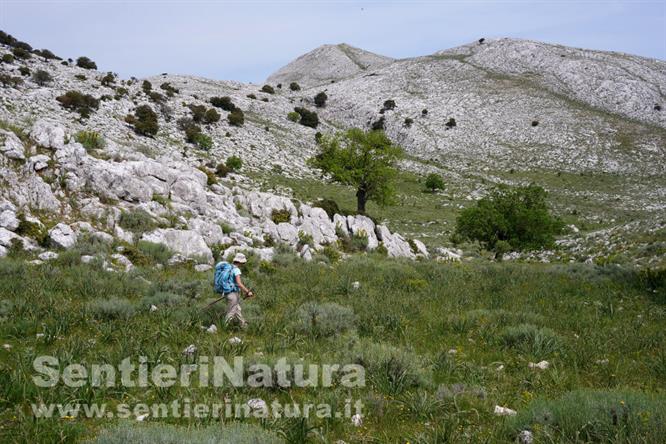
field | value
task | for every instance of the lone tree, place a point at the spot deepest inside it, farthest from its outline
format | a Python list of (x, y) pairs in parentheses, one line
[(365, 160), (510, 219), (434, 182)]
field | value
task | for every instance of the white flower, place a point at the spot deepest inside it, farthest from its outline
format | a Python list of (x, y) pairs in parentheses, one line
[(543, 365), (212, 329), (235, 340), (357, 420), (190, 349), (141, 417), (153, 308)]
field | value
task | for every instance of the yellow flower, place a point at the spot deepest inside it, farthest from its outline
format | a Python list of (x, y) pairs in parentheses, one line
[(69, 418)]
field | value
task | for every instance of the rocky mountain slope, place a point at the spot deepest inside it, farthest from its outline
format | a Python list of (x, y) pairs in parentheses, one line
[(587, 125)]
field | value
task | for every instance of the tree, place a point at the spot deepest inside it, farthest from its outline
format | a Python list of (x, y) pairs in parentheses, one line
[(236, 117), (308, 118), (365, 160), (85, 63), (434, 182), (42, 77), (519, 217), (294, 86), (144, 121), (268, 89), (320, 99)]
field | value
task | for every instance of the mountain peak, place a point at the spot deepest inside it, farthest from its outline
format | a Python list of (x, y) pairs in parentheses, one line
[(328, 63)]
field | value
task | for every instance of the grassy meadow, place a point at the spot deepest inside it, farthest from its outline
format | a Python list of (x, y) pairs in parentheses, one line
[(442, 345)]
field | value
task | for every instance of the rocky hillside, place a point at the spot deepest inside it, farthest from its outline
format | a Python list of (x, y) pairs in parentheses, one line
[(586, 125)]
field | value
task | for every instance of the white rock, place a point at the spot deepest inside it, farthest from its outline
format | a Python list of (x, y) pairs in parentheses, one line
[(525, 437), (3, 251), (257, 404), (153, 308), (542, 365), (48, 134), (395, 244), (9, 220), (190, 350), (421, 248), (86, 259), (212, 329), (452, 351), (48, 255), (142, 417), (201, 268), (287, 233), (357, 420), (7, 346), (39, 162), (448, 255), (363, 226), (185, 242), (306, 254), (356, 285), (11, 146), (123, 262), (63, 236), (36, 262), (504, 411)]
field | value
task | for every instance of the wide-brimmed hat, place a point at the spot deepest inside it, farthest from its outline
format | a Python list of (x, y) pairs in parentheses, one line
[(240, 258)]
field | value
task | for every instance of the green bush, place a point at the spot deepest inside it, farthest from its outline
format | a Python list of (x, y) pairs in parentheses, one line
[(32, 230), (203, 141), (137, 221), (144, 121), (223, 102), (10, 81), (42, 77), (388, 105), (320, 99), (294, 86), (156, 253), (211, 116), (518, 216), (293, 116), (236, 117), (85, 63), (279, 216), (268, 89), (308, 118), (451, 123), (8, 58), (222, 170), (83, 104), (169, 88), (21, 53), (408, 122), (329, 205), (234, 163), (24, 71), (530, 339), (594, 416), (146, 87), (113, 308), (434, 182), (324, 319), (379, 124), (108, 79), (211, 178), (91, 140), (48, 55)]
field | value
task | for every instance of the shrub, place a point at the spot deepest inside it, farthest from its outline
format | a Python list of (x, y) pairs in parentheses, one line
[(378, 125), (594, 416), (144, 121), (530, 339), (324, 319), (408, 122), (91, 140), (211, 116), (85, 63), (162, 298), (159, 433), (518, 216), (42, 77), (293, 116), (236, 117), (434, 182), (8, 58), (170, 89), (251, 96), (268, 89), (198, 112), (32, 230), (80, 77), (223, 102), (389, 105), (146, 87), (329, 205), (234, 163), (320, 99), (222, 170), (48, 55), (156, 253), (451, 123), (83, 104), (280, 216), (108, 79), (109, 309), (203, 141), (137, 221), (10, 81), (535, 123), (294, 86), (21, 53), (211, 179), (121, 92), (308, 118), (24, 71), (424, 112)]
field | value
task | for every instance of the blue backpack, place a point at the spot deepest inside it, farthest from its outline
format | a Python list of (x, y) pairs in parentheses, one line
[(224, 278)]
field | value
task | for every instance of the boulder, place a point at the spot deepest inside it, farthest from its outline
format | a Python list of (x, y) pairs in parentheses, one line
[(48, 134), (38, 163), (211, 232), (363, 226), (3, 251), (340, 223), (421, 248), (201, 268), (11, 146), (62, 236), (448, 255), (306, 253), (9, 220), (395, 244), (262, 205), (123, 262), (48, 256), (265, 254), (188, 243), (287, 233), (116, 181), (321, 229)]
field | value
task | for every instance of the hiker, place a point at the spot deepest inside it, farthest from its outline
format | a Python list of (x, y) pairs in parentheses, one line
[(228, 282)]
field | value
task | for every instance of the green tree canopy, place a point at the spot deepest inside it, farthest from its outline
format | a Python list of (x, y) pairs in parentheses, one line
[(518, 216), (365, 160), (434, 182)]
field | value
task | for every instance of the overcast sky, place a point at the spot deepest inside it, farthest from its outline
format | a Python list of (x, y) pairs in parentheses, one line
[(248, 40)]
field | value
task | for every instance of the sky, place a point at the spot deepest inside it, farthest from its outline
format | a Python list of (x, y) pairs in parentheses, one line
[(248, 40)]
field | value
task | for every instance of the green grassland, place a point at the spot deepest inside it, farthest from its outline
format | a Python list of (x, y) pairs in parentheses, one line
[(442, 344)]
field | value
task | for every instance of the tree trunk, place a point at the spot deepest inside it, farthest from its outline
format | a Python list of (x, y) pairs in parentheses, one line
[(361, 199)]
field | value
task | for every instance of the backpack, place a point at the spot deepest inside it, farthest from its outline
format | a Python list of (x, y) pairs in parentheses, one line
[(224, 278)]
